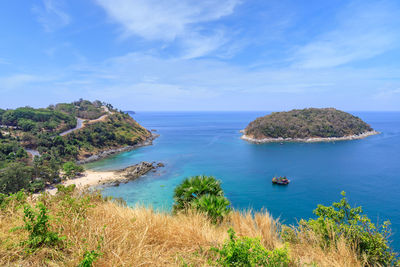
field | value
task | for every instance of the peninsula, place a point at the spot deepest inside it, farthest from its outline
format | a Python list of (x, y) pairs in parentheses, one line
[(35, 144), (307, 125)]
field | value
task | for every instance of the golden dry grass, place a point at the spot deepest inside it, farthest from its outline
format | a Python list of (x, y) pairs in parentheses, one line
[(141, 237)]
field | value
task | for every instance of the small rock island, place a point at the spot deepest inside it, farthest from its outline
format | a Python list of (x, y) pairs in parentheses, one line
[(307, 125)]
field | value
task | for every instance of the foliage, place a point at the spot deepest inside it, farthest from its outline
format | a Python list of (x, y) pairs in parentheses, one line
[(203, 194), (37, 224), (30, 119), (215, 207), (39, 129), (195, 187), (89, 257), (17, 199), (305, 123), (82, 109), (71, 169), (246, 251), (342, 221), (14, 177)]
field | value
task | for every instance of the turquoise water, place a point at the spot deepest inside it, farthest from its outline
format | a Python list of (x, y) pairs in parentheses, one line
[(192, 143)]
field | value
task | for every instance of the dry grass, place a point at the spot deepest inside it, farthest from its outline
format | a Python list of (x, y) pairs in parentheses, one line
[(141, 237)]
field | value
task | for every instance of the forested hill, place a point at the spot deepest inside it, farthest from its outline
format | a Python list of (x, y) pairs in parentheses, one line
[(307, 123), (38, 131)]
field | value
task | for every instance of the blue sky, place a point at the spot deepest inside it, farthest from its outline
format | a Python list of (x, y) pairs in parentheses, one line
[(201, 55)]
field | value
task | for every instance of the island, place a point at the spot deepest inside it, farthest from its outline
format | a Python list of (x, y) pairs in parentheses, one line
[(307, 125)]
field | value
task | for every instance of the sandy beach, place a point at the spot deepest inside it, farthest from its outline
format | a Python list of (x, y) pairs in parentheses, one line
[(306, 140), (90, 178)]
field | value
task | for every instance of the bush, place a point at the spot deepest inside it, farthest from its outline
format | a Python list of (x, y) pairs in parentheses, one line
[(203, 194), (14, 177), (37, 224), (246, 251), (215, 207), (195, 187), (342, 221), (71, 169)]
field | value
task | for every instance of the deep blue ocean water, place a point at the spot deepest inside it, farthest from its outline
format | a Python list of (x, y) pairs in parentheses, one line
[(193, 143)]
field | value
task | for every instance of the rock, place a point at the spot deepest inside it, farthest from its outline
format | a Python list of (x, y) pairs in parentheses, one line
[(160, 165)]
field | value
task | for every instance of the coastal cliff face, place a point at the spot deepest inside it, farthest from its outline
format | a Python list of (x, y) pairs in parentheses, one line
[(312, 124)]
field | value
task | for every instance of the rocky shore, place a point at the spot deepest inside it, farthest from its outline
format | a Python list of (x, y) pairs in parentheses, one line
[(113, 178), (106, 153), (132, 172), (306, 140)]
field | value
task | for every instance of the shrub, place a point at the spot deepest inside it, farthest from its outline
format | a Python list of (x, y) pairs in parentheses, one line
[(37, 224), (246, 251), (215, 207), (342, 221), (194, 187), (71, 169), (204, 194)]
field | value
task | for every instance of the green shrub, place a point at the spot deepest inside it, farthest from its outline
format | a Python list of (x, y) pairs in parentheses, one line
[(37, 224), (71, 169), (194, 187), (246, 251), (342, 221), (203, 194), (215, 207), (15, 200)]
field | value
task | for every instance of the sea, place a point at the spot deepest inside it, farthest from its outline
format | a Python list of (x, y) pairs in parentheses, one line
[(208, 143)]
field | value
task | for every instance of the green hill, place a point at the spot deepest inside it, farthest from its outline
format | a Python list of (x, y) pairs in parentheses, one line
[(307, 123), (43, 131)]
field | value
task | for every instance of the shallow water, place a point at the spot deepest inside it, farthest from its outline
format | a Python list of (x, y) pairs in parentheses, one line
[(192, 143)]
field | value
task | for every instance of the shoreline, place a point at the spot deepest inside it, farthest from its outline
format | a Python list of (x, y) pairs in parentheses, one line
[(307, 140), (109, 152), (90, 178)]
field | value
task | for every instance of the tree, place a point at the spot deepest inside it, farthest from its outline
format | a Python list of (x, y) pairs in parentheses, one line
[(195, 187), (71, 169), (14, 177)]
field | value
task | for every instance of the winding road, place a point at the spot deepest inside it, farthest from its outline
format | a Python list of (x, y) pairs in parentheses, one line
[(79, 125)]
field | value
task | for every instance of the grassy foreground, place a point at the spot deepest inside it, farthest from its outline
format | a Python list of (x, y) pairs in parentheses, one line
[(89, 228)]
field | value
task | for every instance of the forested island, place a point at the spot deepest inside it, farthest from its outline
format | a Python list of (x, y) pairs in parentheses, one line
[(35, 144), (307, 125)]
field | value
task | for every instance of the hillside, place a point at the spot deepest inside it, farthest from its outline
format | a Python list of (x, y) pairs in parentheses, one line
[(304, 124), (58, 134), (75, 228)]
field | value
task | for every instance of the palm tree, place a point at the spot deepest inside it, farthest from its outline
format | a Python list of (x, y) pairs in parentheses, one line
[(194, 187)]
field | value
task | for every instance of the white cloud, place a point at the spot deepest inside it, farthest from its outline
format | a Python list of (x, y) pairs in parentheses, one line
[(172, 21), (364, 30), (51, 15), (18, 80), (164, 19)]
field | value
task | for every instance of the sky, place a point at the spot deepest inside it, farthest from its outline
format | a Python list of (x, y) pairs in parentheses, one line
[(171, 55)]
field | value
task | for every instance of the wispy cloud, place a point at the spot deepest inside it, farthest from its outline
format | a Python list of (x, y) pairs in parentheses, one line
[(364, 30), (18, 80), (51, 15), (172, 21)]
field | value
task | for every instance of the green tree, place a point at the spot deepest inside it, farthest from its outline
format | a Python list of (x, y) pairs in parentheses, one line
[(195, 187), (14, 177), (215, 207), (71, 169), (342, 221)]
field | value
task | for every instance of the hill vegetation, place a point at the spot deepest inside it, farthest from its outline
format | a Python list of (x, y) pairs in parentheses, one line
[(307, 123), (75, 228), (28, 129)]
